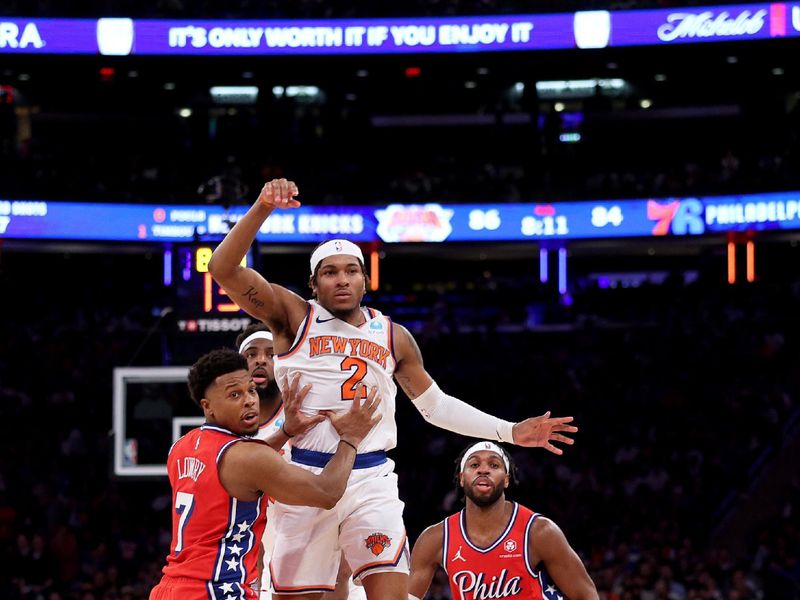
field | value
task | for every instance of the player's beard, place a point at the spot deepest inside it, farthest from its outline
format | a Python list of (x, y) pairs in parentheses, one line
[(483, 501), (269, 390), (345, 314)]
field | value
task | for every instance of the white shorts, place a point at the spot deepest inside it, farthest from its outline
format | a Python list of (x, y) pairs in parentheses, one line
[(268, 544), (366, 526), (354, 592)]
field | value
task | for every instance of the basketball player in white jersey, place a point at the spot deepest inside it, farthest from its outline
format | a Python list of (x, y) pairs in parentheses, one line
[(337, 345), (276, 427)]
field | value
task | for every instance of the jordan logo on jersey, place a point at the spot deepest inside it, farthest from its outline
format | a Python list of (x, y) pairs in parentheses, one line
[(458, 556), (499, 587), (334, 344)]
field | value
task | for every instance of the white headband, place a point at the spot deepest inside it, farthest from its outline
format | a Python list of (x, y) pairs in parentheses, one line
[(332, 248), (489, 446), (258, 335)]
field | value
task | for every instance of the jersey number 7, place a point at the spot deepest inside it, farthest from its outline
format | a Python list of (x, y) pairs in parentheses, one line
[(184, 505)]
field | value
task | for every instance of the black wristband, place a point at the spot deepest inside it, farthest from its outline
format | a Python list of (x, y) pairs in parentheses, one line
[(286, 433), (349, 444)]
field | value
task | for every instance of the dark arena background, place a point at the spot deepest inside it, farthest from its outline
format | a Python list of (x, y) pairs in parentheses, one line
[(579, 206)]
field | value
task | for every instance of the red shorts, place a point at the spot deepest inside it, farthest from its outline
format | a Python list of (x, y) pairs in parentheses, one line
[(184, 588)]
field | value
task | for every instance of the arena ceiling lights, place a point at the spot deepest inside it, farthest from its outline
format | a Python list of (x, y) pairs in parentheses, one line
[(581, 88), (234, 94), (296, 91)]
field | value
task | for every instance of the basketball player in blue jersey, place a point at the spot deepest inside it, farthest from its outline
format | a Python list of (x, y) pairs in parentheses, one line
[(278, 422), (495, 548), (337, 345)]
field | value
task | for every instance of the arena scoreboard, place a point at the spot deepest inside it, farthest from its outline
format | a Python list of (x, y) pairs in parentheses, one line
[(405, 223)]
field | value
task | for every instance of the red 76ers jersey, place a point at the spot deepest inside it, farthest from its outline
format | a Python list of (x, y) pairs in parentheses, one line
[(501, 570), (215, 538)]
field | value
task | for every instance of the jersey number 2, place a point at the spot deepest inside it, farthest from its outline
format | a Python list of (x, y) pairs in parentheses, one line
[(184, 504), (349, 386)]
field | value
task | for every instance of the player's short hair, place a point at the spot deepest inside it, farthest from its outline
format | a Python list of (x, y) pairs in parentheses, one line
[(250, 330), (512, 469), (313, 278), (210, 366)]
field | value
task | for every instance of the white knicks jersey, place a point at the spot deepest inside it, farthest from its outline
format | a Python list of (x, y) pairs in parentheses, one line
[(272, 426), (335, 357)]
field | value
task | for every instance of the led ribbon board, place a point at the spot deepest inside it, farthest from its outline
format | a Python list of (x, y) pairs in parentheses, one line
[(585, 29), (402, 223)]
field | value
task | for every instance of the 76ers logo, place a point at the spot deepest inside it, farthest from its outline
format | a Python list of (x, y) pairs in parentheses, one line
[(378, 542), (510, 545)]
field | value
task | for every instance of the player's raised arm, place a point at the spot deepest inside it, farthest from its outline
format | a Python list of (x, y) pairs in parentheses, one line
[(425, 558), (275, 305), (452, 414)]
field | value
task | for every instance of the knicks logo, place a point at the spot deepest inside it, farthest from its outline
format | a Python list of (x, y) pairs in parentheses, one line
[(378, 542)]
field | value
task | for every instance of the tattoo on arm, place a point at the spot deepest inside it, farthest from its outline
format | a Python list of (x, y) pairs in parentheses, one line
[(403, 379), (408, 388), (250, 295), (413, 343)]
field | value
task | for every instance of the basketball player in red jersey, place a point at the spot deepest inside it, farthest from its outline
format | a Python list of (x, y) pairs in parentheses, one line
[(221, 479), (494, 548), (336, 343)]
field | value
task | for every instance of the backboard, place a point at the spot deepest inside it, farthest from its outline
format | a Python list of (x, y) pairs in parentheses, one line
[(152, 409)]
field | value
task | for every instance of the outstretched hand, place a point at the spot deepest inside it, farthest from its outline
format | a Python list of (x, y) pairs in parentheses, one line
[(295, 422), (279, 193), (354, 425), (542, 431)]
